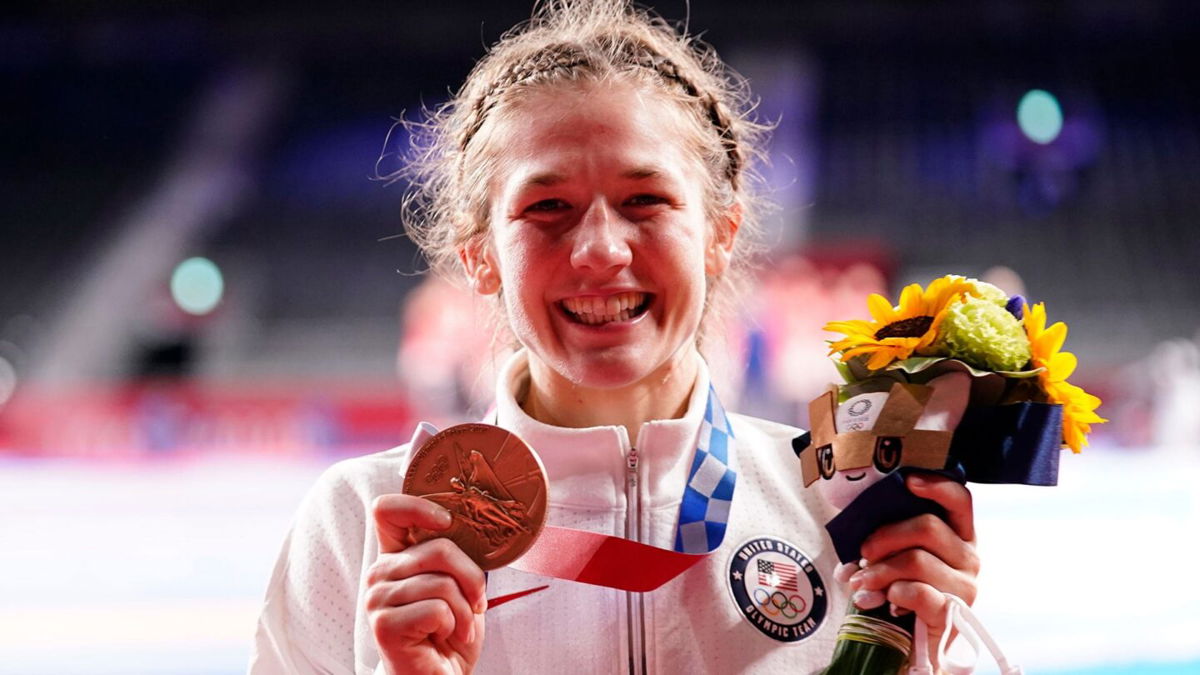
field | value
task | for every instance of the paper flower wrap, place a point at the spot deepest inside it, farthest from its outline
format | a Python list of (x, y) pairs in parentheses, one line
[(958, 379)]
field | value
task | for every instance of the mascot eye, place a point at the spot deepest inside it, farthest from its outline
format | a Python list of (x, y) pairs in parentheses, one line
[(825, 461), (887, 453)]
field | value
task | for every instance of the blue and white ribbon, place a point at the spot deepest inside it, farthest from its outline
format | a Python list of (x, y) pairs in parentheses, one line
[(704, 513)]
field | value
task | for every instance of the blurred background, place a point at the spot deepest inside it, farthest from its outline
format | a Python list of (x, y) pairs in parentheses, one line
[(203, 300)]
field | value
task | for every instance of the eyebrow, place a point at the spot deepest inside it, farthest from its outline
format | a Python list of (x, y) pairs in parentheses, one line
[(543, 180), (642, 173), (550, 178)]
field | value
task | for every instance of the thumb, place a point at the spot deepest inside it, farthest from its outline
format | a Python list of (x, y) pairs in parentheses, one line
[(396, 515)]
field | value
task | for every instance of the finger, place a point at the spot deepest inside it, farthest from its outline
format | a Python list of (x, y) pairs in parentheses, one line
[(439, 556), (914, 565), (895, 610), (926, 532), (925, 600), (950, 495), (469, 649), (844, 571), (412, 624), (396, 514), (425, 587), (868, 599)]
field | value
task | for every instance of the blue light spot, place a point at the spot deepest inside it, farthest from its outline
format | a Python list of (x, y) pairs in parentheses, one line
[(1040, 116), (197, 286)]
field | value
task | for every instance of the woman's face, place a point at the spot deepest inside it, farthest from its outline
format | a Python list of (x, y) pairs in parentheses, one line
[(599, 238)]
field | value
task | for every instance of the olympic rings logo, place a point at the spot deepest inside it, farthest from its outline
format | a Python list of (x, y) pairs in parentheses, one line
[(776, 603)]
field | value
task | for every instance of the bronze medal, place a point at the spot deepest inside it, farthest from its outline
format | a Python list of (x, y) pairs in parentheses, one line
[(492, 483)]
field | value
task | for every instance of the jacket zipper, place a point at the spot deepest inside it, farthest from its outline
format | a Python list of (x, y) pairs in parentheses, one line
[(634, 608)]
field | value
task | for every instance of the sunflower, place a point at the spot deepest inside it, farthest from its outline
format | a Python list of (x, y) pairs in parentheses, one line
[(1079, 407), (895, 333)]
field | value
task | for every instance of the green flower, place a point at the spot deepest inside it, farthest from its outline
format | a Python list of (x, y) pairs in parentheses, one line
[(981, 332), (989, 293)]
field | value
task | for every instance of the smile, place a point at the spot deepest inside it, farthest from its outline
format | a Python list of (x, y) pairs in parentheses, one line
[(858, 477), (594, 310)]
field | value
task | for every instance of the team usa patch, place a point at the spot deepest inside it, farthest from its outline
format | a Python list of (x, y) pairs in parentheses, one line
[(778, 589)]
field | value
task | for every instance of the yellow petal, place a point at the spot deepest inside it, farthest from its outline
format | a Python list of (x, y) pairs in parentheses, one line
[(848, 343), (910, 301), (945, 291), (1052, 339), (1035, 319), (1074, 441), (851, 327), (1088, 417), (1061, 365), (880, 308), (880, 359), (926, 339), (866, 349)]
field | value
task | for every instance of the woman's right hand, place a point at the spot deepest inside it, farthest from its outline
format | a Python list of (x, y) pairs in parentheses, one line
[(425, 599)]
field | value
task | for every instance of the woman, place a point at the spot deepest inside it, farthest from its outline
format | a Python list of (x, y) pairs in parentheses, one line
[(592, 176)]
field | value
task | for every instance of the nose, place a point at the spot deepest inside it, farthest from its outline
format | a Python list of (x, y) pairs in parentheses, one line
[(600, 242)]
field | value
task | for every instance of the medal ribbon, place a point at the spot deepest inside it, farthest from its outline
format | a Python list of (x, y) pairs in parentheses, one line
[(604, 560)]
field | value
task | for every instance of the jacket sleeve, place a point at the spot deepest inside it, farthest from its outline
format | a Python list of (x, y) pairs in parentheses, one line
[(310, 621)]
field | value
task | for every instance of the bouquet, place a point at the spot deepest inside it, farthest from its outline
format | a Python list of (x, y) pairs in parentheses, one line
[(958, 378)]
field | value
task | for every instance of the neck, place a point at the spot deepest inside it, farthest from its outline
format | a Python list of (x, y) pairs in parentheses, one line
[(663, 394)]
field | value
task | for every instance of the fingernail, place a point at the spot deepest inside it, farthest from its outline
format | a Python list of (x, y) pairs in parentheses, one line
[(443, 517), (481, 605), (867, 599), (918, 481), (858, 578), (863, 562), (895, 610)]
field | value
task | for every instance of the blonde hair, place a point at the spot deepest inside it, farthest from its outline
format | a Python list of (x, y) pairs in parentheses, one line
[(566, 42)]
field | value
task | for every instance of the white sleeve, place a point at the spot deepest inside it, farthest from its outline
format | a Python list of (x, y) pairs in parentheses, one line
[(310, 615)]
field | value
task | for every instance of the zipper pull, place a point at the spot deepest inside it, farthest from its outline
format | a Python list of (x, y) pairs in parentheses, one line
[(631, 461)]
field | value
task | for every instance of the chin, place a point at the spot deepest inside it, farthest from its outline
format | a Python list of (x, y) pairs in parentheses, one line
[(612, 369)]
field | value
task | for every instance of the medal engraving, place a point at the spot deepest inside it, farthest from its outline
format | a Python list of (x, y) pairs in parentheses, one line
[(493, 485)]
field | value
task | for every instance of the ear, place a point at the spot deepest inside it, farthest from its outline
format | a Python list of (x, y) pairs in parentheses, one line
[(720, 245), (480, 264)]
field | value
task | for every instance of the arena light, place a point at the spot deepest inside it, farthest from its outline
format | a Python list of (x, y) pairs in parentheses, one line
[(197, 286), (1040, 116)]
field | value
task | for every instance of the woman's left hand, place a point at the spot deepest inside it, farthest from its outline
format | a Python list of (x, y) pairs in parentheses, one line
[(913, 562)]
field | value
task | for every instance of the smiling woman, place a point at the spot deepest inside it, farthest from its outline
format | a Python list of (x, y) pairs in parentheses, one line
[(611, 209), (592, 175)]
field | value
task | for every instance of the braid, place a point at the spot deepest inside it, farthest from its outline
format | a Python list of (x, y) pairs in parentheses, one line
[(712, 107), (566, 58), (559, 57)]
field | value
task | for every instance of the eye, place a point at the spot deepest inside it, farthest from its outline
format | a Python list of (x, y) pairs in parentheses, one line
[(548, 206), (887, 453), (646, 200), (825, 461)]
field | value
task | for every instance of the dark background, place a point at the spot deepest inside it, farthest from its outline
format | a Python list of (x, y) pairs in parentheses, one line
[(896, 138)]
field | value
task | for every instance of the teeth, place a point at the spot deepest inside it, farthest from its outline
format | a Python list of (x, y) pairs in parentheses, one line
[(594, 309)]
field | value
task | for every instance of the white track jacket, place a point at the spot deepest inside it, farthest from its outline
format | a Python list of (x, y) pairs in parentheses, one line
[(764, 602)]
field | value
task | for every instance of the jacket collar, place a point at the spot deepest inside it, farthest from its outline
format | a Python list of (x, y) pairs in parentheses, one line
[(589, 467)]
